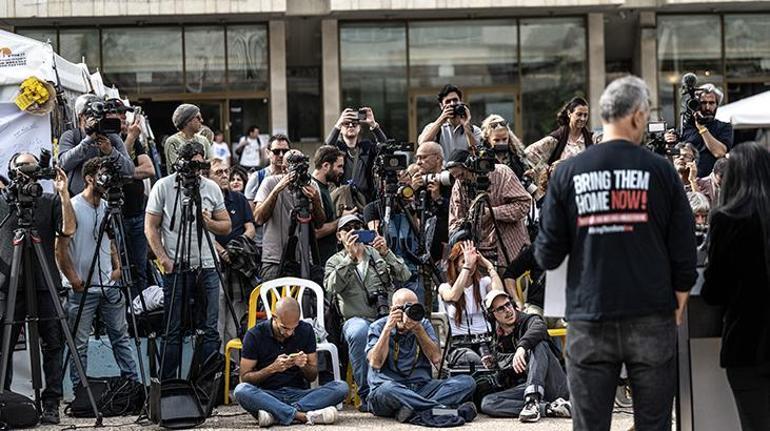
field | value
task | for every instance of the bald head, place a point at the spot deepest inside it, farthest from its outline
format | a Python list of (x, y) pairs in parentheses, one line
[(429, 157), (24, 159), (287, 309), (403, 296)]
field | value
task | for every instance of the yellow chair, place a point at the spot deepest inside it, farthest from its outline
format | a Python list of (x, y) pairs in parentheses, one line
[(555, 332), (235, 343)]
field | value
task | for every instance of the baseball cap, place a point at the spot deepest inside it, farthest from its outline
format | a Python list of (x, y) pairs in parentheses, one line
[(349, 218), (458, 158), (490, 298)]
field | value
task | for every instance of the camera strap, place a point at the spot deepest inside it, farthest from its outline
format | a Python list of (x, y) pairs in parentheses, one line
[(396, 352)]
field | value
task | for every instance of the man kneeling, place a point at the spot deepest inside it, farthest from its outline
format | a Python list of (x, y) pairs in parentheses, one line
[(532, 380), (401, 348), (278, 362)]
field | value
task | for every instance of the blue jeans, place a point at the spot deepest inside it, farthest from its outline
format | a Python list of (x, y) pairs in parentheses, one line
[(596, 350), (284, 403), (136, 244), (355, 331), (112, 304), (387, 398), (209, 282), (415, 285)]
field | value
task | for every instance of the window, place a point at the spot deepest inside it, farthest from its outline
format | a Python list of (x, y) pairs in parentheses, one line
[(143, 60), (553, 70), (204, 52), (247, 55), (686, 43), (747, 46), (79, 44), (41, 34), (373, 72)]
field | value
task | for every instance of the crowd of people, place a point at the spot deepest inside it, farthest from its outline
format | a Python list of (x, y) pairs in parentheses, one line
[(392, 243)]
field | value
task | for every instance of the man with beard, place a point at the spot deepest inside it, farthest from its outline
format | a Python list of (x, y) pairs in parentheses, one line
[(711, 137), (329, 163)]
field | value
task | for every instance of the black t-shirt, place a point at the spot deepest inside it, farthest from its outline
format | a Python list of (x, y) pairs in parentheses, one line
[(723, 132), (620, 212), (239, 210), (260, 345), (48, 220), (133, 191), (327, 246)]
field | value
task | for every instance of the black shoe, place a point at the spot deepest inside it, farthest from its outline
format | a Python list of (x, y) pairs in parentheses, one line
[(363, 408), (50, 414), (467, 411), (404, 414)]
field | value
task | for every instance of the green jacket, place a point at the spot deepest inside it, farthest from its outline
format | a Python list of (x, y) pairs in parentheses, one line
[(175, 141), (351, 290)]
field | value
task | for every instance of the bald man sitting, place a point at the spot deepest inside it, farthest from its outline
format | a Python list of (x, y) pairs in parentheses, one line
[(401, 349), (278, 362)]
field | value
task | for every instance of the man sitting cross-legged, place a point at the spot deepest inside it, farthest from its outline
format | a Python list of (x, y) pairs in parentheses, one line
[(278, 362)]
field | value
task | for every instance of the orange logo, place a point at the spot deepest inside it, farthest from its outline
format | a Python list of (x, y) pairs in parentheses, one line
[(5, 52)]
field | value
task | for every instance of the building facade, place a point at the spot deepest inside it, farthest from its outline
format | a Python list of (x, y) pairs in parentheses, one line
[(293, 65)]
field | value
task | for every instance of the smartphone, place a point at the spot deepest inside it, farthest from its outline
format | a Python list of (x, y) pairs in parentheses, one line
[(293, 355), (365, 236), (361, 115)]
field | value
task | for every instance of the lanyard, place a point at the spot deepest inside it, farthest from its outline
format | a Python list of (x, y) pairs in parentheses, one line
[(395, 358)]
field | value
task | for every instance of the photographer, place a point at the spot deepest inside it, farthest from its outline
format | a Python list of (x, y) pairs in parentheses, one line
[(461, 298), (453, 129), (510, 205), (274, 203), (53, 219), (532, 382), (278, 363), (686, 162), (360, 154), (430, 162), (507, 147), (710, 137), (74, 256), (401, 349), (328, 162), (242, 225), (189, 121), (360, 279), (85, 142), (165, 204)]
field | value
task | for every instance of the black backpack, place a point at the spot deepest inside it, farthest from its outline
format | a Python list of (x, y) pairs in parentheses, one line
[(209, 381), (114, 396), (17, 411)]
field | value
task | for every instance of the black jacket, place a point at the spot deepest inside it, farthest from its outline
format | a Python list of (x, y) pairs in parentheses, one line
[(359, 171), (528, 331), (736, 278), (621, 214)]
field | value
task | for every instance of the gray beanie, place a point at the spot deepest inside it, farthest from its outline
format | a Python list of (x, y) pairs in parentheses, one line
[(183, 114)]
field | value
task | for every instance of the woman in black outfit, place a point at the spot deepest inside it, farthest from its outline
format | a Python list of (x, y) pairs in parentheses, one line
[(738, 278)]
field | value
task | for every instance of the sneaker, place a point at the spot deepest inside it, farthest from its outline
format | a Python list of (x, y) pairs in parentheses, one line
[(404, 414), (468, 411), (559, 408), (530, 412), (265, 419), (50, 414), (323, 416)]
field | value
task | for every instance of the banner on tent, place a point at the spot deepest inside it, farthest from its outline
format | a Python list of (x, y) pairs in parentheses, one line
[(22, 132)]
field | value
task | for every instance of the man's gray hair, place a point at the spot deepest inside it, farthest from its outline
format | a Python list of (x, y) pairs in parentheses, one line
[(699, 203), (712, 89), (623, 97)]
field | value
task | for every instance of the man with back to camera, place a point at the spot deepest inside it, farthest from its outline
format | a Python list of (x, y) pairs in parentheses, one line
[(165, 204), (85, 142), (711, 137), (621, 214), (453, 129)]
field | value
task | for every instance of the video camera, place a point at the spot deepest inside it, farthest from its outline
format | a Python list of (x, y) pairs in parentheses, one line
[(24, 187), (99, 110), (299, 164), (188, 172), (481, 163), (690, 100), (110, 181), (656, 141), (388, 160)]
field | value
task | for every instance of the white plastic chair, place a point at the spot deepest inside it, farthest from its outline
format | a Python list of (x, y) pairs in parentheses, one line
[(295, 287)]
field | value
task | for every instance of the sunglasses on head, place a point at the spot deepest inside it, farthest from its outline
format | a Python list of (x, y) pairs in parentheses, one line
[(497, 124), (280, 151), (352, 226)]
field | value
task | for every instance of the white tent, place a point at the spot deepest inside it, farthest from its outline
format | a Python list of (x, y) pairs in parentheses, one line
[(749, 113)]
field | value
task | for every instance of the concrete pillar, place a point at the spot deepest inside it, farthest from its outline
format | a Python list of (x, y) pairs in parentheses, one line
[(330, 73), (648, 54), (279, 117), (596, 70)]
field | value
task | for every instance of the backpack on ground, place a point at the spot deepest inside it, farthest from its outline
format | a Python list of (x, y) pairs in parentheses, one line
[(17, 411)]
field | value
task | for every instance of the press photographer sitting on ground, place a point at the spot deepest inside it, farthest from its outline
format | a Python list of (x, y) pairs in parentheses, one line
[(711, 137)]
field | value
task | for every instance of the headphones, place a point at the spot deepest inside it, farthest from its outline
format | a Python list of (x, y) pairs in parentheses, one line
[(12, 161)]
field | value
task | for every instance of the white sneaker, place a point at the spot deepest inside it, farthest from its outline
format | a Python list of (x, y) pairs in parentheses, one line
[(323, 416), (265, 419), (530, 412), (559, 408)]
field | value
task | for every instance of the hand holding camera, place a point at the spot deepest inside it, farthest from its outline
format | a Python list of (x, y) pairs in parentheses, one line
[(380, 245), (285, 181), (395, 317), (348, 116), (354, 248)]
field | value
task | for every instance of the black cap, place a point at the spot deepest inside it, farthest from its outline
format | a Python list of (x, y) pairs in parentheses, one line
[(458, 158)]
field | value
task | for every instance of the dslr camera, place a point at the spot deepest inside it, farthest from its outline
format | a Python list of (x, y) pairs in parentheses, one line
[(656, 141), (444, 178), (458, 110), (414, 311), (98, 110)]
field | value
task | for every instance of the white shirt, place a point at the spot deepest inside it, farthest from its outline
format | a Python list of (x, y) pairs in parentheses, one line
[(251, 155), (474, 320)]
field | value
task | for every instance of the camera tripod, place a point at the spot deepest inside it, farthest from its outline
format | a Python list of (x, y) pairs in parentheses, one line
[(475, 212), (300, 236), (112, 224), (26, 248)]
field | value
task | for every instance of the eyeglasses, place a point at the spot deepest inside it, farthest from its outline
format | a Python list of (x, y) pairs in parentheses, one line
[(507, 306), (687, 157), (350, 124), (497, 124), (220, 172), (351, 226), (199, 118), (279, 151)]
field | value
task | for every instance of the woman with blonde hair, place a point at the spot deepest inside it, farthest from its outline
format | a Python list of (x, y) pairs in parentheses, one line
[(507, 147)]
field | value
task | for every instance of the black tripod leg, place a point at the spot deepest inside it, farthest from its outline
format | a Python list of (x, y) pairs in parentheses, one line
[(32, 327), (10, 309), (218, 269), (67, 335)]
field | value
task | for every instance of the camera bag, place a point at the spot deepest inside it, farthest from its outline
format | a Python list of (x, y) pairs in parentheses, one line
[(17, 411)]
